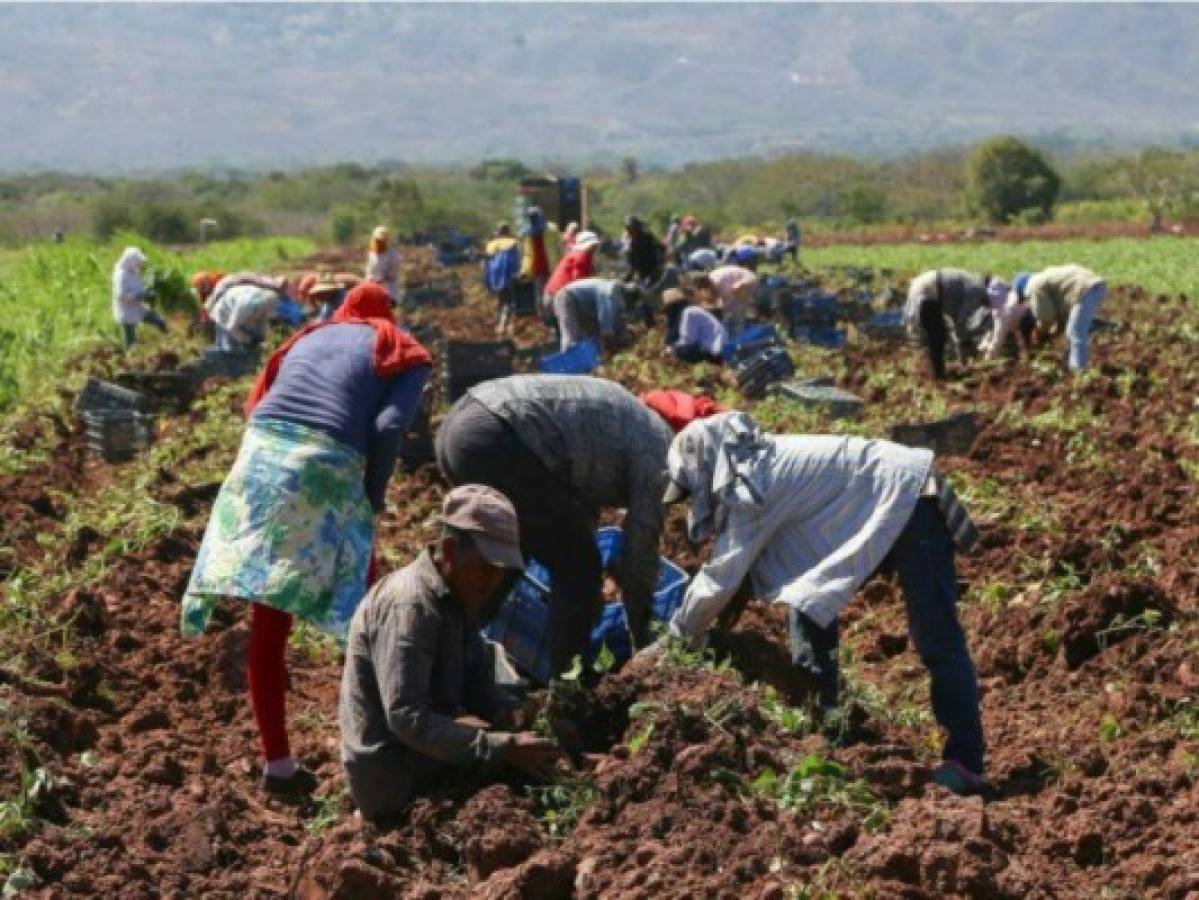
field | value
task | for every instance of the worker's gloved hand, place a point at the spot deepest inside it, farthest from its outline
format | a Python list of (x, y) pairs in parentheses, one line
[(533, 755)]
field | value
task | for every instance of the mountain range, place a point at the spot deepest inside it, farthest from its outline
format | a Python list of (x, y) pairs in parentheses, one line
[(122, 88)]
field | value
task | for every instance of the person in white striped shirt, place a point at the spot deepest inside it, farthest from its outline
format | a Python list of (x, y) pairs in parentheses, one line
[(807, 519)]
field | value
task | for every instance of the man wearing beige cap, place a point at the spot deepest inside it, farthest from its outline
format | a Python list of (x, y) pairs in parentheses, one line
[(418, 692)]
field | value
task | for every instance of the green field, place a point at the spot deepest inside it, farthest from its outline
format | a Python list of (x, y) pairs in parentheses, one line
[(1163, 265), (56, 299)]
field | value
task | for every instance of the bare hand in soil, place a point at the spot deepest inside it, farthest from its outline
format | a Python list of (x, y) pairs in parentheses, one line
[(536, 756)]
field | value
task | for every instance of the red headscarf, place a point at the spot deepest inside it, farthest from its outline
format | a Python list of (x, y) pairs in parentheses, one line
[(367, 304), (204, 282), (679, 408)]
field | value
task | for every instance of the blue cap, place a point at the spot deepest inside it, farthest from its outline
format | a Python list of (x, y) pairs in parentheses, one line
[(1020, 284), (745, 253)]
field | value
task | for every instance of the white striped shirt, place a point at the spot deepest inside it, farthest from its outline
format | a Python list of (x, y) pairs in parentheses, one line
[(831, 509)]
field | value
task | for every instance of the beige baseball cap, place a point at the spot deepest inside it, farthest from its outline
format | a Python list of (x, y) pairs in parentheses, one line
[(489, 518)]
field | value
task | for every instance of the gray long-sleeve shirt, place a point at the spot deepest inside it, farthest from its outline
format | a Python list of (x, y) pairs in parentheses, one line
[(414, 663), (960, 293), (603, 442)]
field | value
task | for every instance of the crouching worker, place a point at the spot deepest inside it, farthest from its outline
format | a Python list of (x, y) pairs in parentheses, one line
[(592, 308), (941, 293), (702, 336), (418, 693), (808, 518), (241, 310)]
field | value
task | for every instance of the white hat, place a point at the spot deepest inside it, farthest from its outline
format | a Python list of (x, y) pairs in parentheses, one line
[(586, 239)]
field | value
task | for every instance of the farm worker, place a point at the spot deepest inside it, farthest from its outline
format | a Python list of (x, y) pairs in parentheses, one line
[(383, 262), (419, 691), (694, 236), (794, 237), (592, 308), (578, 263), (568, 236), (1010, 315), (291, 530), (702, 336), (561, 448), (534, 261), (644, 255), (129, 307), (240, 313), (1065, 299), (937, 294), (807, 519), (501, 265), (735, 287)]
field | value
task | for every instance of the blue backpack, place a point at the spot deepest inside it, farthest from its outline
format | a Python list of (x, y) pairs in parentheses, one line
[(500, 270)]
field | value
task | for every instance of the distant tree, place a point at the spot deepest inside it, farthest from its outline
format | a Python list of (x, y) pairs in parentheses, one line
[(1007, 178), (864, 203), (629, 169), (1166, 181)]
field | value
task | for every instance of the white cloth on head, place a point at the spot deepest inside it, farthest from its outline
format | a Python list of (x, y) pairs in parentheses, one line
[(128, 289), (807, 517)]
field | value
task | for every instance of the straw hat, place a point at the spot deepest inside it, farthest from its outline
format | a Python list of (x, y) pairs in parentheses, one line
[(325, 284)]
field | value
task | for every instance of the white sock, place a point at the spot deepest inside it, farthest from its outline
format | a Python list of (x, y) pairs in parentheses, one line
[(281, 768)]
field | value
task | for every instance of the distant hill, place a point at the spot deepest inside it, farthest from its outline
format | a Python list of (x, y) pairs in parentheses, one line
[(136, 87)]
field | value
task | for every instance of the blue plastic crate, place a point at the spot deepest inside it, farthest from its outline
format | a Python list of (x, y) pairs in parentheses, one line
[(578, 359), (522, 624), (812, 308), (750, 339), (821, 336)]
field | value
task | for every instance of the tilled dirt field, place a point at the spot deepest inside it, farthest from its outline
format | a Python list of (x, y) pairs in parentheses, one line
[(1080, 607)]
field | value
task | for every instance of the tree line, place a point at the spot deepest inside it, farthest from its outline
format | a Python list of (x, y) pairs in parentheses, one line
[(1001, 180)]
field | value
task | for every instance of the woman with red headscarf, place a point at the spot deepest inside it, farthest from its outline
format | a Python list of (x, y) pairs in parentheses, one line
[(292, 528)]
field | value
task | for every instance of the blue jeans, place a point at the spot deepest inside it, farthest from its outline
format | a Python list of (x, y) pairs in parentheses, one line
[(923, 558), (1078, 326)]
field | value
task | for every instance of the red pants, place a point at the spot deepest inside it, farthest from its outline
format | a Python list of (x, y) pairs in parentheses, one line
[(269, 630)]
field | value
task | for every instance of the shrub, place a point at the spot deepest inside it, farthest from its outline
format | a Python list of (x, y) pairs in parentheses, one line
[(1006, 177)]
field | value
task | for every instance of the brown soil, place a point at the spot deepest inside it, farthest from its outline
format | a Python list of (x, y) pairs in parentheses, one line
[(1096, 778)]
